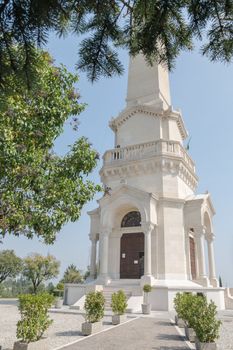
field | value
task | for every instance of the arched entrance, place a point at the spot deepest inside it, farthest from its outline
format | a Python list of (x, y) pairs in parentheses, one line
[(132, 248)]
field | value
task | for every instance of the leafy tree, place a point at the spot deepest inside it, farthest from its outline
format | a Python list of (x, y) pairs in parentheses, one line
[(160, 29), (12, 288), (39, 190), (50, 288), (72, 275), (38, 269), (10, 265)]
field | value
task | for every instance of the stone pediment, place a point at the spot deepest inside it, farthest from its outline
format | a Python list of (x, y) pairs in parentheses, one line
[(201, 200), (126, 190), (150, 111)]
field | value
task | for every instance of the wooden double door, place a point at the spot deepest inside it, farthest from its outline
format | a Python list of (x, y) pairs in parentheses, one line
[(132, 255)]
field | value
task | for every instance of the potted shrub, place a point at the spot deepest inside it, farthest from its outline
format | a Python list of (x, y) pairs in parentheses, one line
[(94, 307), (187, 309), (178, 305), (146, 307), (206, 325), (118, 306), (58, 293), (34, 320)]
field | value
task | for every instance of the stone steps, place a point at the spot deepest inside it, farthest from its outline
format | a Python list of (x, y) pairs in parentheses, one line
[(107, 292)]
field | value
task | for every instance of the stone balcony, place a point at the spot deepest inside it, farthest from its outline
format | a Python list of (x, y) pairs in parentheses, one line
[(147, 150)]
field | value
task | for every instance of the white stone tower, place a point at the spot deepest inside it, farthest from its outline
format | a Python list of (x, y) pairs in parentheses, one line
[(150, 226)]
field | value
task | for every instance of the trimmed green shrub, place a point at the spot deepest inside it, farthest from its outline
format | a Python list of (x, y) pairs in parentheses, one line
[(119, 303), (204, 321), (181, 302), (177, 304), (94, 306), (199, 315), (59, 290), (185, 306), (147, 288), (34, 316)]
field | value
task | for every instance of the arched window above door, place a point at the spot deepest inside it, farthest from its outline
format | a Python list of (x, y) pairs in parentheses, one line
[(131, 219)]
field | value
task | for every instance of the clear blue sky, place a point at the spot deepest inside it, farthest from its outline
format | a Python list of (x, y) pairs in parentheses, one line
[(204, 93)]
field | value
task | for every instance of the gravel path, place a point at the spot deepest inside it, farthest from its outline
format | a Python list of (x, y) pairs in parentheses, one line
[(225, 341)]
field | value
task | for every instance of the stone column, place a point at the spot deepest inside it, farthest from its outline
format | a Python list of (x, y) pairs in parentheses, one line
[(202, 278), (104, 253), (93, 257), (212, 272), (148, 228)]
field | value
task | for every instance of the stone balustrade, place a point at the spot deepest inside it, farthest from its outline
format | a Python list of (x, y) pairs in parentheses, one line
[(146, 150)]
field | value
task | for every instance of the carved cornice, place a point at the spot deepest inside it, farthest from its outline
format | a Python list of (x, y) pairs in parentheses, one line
[(166, 164), (127, 113)]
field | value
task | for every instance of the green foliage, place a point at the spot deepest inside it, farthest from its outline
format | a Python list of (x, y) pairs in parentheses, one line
[(38, 268), (34, 316), (119, 302), (40, 191), (186, 305), (60, 286), (157, 28), (199, 315), (205, 323), (147, 288), (10, 265), (59, 290), (179, 304), (12, 288), (72, 275), (50, 288), (94, 306)]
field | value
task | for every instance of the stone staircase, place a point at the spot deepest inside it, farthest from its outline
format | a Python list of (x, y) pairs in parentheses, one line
[(130, 287), (107, 292)]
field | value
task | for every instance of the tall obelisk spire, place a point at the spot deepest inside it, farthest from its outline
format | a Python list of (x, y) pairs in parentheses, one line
[(147, 85)]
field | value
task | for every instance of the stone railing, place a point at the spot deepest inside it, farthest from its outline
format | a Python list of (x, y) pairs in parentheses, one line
[(146, 150)]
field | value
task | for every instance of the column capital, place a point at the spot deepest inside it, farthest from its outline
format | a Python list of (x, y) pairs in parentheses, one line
[(210, 237), (147, 227), (198, 231), (93, 237)]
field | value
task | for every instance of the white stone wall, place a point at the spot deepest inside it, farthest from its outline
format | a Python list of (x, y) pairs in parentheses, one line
[(138, 129), (171, 241)]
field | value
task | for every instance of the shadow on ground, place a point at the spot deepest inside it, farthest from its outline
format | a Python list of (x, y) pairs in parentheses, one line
[(170, 337), (69, 334), (169, 348)]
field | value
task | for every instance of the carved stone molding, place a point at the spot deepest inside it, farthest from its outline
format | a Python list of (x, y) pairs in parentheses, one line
[(168, 165)]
